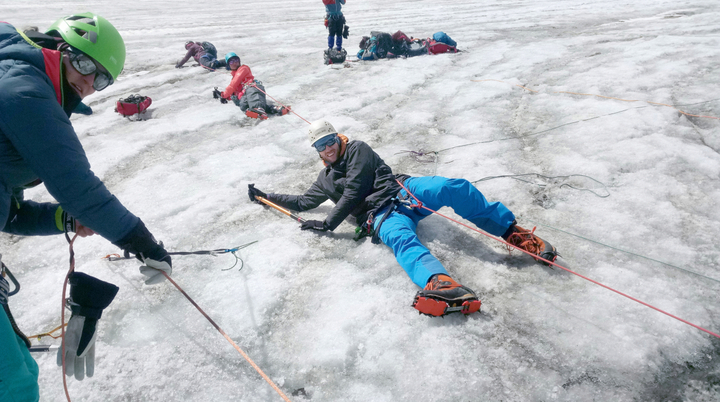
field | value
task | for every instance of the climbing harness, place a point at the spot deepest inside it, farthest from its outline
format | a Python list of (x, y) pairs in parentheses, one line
[(548, 262)]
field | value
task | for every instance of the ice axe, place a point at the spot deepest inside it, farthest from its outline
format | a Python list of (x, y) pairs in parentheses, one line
[(279, 208)]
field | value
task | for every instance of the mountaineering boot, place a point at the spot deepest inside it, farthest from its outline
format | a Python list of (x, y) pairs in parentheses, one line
[(280, 110), (442, 295), (256, 113), (530, 242)]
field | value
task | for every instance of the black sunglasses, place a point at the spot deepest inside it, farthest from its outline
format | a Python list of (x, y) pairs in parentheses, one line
[(85, 65), (328, 142)]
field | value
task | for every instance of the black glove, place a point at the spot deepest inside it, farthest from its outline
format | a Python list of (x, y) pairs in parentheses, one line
[(314, 225), (346, 32), (88, 297), (216, 94), (252, 192), (141, 243)]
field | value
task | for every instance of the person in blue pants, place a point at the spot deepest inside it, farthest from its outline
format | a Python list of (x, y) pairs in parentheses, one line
[(360, 184), (335, 23)]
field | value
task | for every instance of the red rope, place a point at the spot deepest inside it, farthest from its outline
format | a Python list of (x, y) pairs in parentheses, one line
[(557, 265), (277, 101), (255, 366), (62, 311)]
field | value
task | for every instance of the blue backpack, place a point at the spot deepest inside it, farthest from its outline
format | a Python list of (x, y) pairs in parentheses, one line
[(444, 38)]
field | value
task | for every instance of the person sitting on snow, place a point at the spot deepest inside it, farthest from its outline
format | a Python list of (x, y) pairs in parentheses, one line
[(206, 56), (247, 92), (357, 180), (39, 89)]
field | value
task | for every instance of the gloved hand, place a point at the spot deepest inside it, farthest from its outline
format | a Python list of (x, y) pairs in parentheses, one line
[(313, 225), (252, 192), (326, 22), (141, 243), (346, 32), (88, 297)]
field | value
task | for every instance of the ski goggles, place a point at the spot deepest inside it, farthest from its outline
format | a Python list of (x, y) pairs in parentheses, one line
[(325, 142), (85, 65)]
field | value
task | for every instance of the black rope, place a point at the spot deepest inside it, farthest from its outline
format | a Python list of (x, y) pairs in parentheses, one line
[(518, 177)]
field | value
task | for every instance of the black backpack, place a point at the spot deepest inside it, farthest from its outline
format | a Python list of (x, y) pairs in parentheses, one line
[(209, 48), (334, 56), (384, 43), (417, 47)]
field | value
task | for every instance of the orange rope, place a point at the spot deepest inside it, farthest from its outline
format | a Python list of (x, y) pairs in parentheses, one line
[(255, 366), (289, 108), (537, 257), (62, 311), (608, 97)]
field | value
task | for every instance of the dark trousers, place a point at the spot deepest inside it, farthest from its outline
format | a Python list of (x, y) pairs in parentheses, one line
[(336, 24)]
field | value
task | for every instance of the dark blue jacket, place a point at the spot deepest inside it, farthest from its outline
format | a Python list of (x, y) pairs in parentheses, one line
[(38, 142)]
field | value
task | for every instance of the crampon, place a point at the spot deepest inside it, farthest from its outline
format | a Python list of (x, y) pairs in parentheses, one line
[(442, 296), (527, 240), (439, 308)]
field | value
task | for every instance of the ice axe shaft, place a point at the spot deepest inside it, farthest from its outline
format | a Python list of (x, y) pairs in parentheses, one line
[(279, 208)]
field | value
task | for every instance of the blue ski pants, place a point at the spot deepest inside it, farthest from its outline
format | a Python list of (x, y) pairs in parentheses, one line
[(398, 230), (18, 370)]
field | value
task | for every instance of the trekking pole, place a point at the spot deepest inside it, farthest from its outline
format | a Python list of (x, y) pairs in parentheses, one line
[(279, 208)]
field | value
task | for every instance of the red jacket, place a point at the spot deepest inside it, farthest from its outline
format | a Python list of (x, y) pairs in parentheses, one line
[(241, 76)]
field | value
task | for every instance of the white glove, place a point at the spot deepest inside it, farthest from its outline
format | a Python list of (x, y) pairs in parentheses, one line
[(88, 297), (79, 362), (153, 270)]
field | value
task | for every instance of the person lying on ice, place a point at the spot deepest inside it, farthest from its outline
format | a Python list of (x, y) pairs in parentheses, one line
[(39, 89), (357, 180), (206, 55), (247, 92)]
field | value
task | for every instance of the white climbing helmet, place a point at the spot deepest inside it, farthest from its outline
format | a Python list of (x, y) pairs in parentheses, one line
[(320, 129)]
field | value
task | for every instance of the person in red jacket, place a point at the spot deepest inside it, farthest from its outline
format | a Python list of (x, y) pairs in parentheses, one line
[(247, 92)]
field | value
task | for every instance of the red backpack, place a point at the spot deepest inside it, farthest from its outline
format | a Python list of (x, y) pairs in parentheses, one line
[(435, 47), (133, 104)]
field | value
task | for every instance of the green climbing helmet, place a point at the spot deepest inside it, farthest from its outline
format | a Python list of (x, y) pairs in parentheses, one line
[(94, 36)]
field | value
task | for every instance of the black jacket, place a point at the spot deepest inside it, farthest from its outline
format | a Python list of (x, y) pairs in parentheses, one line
[(358, 183)]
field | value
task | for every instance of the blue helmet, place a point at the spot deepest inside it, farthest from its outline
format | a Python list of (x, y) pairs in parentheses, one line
[(229, 56)]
